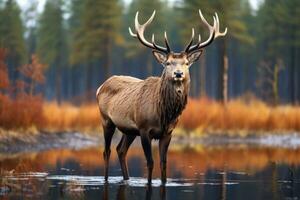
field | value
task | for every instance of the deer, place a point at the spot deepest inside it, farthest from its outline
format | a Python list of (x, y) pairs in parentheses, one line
[(150, 108)]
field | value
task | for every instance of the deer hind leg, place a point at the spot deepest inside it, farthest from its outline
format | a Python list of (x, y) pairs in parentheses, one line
[(146, 143), (109, 129), (122, 149)]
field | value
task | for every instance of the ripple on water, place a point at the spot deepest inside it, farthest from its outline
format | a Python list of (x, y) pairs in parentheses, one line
[(114, 180), (118, 180), (26, 176)]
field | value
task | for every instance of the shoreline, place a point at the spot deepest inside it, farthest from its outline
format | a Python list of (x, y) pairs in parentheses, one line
[(36, 142)]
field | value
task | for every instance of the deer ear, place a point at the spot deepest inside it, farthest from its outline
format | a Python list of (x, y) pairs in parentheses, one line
[(194, 56), (160, 57)]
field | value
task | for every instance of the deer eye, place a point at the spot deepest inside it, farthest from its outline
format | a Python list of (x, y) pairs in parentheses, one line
[(186, 63), (168, 63)]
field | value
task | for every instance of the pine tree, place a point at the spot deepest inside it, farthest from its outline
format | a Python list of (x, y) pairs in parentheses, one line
[(279, 38), (51, 41), (30, 17), (293, 41), (75, 9), (11, 36), (230, 13), (157, 27), (98, 31)]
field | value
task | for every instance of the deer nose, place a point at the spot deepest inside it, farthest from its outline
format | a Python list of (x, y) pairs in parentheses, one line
[(178, 74)]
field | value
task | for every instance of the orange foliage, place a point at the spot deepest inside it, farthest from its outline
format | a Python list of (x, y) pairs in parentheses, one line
[(4, 80), (22, 110), (66, 117), (239, 115), (205, 114), (34, 71)]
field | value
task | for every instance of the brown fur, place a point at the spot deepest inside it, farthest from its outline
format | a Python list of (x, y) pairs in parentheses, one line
[(152, 104), (148, 108)]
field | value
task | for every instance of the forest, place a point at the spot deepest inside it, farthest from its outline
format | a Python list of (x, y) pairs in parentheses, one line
[(235, 135), (62, 53)]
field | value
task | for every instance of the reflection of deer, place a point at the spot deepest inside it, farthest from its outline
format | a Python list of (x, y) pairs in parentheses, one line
[(121, 193), (149, 108)]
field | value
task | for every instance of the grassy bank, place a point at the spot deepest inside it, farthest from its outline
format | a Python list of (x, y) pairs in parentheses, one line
[(239, 116), (201, 116)]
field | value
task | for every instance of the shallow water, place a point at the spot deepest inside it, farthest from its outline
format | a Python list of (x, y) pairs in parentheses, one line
[(198, 172)]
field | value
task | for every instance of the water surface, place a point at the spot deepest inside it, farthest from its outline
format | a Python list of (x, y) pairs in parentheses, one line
[(198, 172)]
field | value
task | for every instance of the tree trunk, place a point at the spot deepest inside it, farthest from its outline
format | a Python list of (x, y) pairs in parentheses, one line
[(225, 80), (275, 84), (292, 76), (202, 75), (223, 74), (31, 89), (107, 58), (89, 81), (74, 81), (58, 85), (297, 59)]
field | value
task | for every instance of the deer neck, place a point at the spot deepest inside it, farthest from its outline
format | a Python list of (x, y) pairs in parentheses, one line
[(172, 100)]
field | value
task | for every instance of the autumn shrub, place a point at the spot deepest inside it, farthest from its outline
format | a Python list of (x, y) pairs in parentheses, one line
[(67, 117), (255, 115), (19, 106), (22, 112), (203, 114)]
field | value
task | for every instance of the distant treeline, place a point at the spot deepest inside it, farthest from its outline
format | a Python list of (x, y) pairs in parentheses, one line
[(82, 42)]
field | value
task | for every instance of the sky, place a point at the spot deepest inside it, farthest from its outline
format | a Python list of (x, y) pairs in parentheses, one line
[(25, 3)]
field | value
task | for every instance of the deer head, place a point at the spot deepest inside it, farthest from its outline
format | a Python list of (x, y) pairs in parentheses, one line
[(177, 64)]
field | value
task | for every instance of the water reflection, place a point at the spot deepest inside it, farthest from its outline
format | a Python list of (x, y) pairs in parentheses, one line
[(194, 173), (121, 193)]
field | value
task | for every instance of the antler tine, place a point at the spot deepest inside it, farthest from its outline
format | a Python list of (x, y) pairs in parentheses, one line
[(191, 41), (167, 42), (211, 29), (131, 33), (189, 47), (214, 32), (140, 28), (153, 41), (218, 33)]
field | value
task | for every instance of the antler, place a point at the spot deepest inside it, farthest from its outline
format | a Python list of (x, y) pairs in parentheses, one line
[(140, 28), (214, 32)]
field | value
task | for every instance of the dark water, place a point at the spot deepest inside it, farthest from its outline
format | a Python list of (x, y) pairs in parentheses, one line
[(239, 172)]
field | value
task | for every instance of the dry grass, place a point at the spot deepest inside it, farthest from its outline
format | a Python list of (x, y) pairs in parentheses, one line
[(67, 117), (23, 112), (201, 114), (237, 115)]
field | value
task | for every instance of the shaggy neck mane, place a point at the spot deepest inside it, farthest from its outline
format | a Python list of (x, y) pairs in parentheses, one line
[(171, 103)]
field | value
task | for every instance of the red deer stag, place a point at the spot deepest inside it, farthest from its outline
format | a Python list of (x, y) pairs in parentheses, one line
[(150, 108)]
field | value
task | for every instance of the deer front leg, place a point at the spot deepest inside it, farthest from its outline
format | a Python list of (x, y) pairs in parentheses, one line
[(146, 143), (163, 149)]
